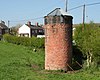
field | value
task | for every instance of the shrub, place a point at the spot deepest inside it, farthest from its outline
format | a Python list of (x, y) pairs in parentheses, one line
[(0, 37), (30, 42), (88, 41)]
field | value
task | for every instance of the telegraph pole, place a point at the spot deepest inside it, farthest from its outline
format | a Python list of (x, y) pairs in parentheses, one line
[(66, 5), (83, 16), (8, 23)]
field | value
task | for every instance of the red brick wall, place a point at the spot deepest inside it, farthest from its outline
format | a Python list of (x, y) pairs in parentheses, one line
[(58, 46)]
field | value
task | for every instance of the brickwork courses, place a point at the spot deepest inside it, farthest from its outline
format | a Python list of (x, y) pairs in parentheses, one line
[(58, 46)]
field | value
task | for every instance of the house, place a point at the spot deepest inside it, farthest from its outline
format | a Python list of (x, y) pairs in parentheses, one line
[(29, 30), (3, 28)]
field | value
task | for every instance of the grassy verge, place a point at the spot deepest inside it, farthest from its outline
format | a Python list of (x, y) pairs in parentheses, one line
[(20, 63)]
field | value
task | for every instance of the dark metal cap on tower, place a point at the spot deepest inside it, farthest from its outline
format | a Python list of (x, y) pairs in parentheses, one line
[(58, 16), (58, 12)]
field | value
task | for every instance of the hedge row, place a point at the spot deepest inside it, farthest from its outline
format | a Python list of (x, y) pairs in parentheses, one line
[(0, 37), (30, 42)]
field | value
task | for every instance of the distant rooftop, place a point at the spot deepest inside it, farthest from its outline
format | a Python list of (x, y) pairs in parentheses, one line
[(35, 26), (58, 12), (2, 25)]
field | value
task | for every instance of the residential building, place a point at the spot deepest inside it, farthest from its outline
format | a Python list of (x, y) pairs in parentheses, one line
[(3, 28), (29, 30)]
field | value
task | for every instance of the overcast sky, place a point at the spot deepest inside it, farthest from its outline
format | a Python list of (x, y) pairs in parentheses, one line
[(17, 10)]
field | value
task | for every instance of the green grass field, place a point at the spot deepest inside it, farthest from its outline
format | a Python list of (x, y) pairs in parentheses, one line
[(21, 63)]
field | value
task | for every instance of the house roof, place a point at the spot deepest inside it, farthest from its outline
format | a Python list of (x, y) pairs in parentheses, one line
[(3, 26), (58, 12), (35, 27)]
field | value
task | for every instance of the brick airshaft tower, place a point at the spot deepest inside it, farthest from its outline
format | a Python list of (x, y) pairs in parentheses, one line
[(58, 40)]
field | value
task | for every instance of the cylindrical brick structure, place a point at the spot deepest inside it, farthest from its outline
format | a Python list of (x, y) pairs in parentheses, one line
[(58, 40)]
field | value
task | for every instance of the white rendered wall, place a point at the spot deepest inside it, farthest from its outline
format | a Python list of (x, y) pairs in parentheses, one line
[(24, 30)]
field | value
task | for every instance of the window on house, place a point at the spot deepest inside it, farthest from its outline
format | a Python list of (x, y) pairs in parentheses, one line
[(40, 31), (35, 31), (32, 31)]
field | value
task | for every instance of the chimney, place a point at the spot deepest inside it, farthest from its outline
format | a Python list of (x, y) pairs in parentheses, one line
[(29, 23), (37, 24)]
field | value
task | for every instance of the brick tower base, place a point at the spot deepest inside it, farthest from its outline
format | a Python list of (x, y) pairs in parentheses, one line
[(58, 46)]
